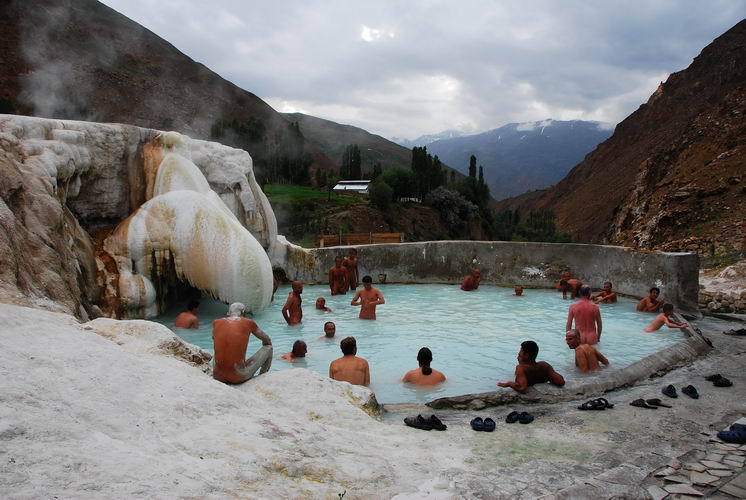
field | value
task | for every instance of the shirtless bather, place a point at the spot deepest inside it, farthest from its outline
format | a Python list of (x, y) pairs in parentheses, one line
[(338, 277), (330, 329), (321, 305), (471, 282), (424, 375), (367, 298), (570, 285), (292, 311), (518, 291), (300, 349), (607, 296), (350, 264), (188, 318), (565, 277), (587, 317), (651, 303), (230, 337), (529, 372), (663, 319), (350, 368), (587, 358)]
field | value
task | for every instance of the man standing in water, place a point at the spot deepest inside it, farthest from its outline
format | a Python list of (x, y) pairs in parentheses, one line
[(230, 337), (350, 263), (338, 277), (471, 282), (292, 311), (350, 368), (587, 358), (188, 318), (651, 303), (607, 295), (587, 317), (367, 298), (529, 372), (330, 329)]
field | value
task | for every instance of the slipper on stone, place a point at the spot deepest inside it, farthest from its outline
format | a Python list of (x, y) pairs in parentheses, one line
[(670, 391), (512, 417), (489, 425), (592, 404), (418, 422), (737, 427), (436, 424), (657, 402), (719, 381), (691, 391), (477, 424), (738, 436), (525, 418), (604, 402), (642, 404)]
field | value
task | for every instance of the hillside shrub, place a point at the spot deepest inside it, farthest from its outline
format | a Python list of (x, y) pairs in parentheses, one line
[(454, 208), (381, 195)]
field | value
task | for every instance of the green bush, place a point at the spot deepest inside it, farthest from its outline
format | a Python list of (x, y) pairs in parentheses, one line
[(381, 195)]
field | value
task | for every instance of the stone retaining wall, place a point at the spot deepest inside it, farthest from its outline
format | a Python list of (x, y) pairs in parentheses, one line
[(503, 263)]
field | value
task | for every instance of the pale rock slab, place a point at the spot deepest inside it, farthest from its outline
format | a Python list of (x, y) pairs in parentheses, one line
[(714, 465), (683, 489), (657, 493), (702, 478), (677, 479), (695, 467), (720, 473)]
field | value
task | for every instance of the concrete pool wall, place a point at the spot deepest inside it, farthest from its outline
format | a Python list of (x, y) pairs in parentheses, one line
[(509, 263)]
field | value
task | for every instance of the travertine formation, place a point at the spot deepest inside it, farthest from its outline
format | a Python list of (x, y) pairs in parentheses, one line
[(65, 185)]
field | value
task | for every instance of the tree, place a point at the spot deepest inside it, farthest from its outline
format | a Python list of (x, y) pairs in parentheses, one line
[(403, 182), (376, 171), (472, 166), (481, 174), (331, 180), (381, 195)]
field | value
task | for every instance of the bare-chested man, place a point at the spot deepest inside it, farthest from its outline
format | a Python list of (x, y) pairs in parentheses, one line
[(529, 372), (570, 286), (664, 319), (230, 337), (471, 282), (565, 276), (607, 295), (292, 311), (651, 303), (367, 298), (587, 358), (188, 318), (338, 283), (518, 291), (299, 351), (424, 375), (587, 317), (321, 305), (350, 263), (330, 329), (350, 368)]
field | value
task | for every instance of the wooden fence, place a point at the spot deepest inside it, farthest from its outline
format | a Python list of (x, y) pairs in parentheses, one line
[(331, 240)]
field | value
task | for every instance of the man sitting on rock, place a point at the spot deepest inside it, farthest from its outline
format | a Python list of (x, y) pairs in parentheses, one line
[(587, 358), (651, 303), (188, 318), (350, 368), (529, 372), (230, 337)]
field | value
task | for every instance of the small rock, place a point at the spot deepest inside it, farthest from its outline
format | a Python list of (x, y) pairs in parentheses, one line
[(677, 479), (702, 478), (725, 447), (720, 473), (665, 471), (674, 463), (657, 493), (733, 463), (716, 457), (735, 458), (684, 489), (714, 465), (695, 467)]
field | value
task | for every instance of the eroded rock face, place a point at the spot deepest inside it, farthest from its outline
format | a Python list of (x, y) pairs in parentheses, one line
[(66, 184)]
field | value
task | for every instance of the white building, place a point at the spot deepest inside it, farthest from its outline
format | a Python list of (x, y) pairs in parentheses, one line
[(358, 187)]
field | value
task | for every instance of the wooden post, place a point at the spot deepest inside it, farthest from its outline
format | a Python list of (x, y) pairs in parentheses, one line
[(370, 237), (340, 237)]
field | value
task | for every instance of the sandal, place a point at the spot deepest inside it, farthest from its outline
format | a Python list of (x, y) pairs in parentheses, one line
[(592, 404), (670, 391), (418, 422), (657, 402), (525, 418), (605, 403), (691, 391), (642, 404), (512, 417), (436, 424), (477, 424), (489, 425)]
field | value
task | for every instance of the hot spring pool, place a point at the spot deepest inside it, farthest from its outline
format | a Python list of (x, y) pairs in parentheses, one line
[(474, 336)]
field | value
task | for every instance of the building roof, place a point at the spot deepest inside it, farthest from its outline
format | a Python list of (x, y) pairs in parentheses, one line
[(361, 185)]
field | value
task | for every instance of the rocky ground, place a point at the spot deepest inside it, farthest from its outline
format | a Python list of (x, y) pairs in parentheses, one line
[(117, 409)]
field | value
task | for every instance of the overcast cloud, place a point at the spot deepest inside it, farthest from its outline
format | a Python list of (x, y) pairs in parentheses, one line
[(409, 68)]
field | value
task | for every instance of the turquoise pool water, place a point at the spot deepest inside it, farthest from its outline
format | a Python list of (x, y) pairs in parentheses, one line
[(474, 336)]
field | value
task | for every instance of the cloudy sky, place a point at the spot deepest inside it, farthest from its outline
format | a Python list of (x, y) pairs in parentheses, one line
[(407, 68)]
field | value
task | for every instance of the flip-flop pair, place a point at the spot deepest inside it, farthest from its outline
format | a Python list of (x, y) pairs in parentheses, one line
[(651, 404), (486, 425), (596, 404), (522, 417), (736, 434), (426, 424), (689, 390), (719, 381)]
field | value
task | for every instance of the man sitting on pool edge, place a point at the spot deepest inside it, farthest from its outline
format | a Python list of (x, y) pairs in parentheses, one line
[(529, 372), (230, 337), (587, 358)]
